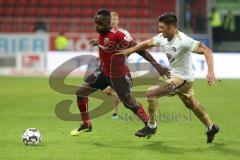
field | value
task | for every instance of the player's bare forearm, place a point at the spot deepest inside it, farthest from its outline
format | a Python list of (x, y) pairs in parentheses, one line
[(148, 57), (137, 47), (202, 49)]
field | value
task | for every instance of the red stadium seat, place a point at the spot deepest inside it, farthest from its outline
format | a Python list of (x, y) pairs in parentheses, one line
[(134, 13), (75, 12), (54, 28), (145, 3), (134, 3), (55, 3), (22, 2), (54, 12), (43, 11), (44, 2), (123, 3), (32, 3), (71, 16), (2, 2), (78, 3), (1, 12), (89, 3), (21, 10), (32, 11), (145, 13), (111, 4), (66, 11), (54, 21), (9, 11), (10, 2), (88, 12), (100, 3)]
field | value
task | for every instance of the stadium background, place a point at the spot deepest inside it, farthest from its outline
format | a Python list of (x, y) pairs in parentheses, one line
[(28, 56)]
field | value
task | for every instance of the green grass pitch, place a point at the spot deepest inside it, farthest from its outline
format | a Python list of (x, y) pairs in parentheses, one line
[(30, 102)]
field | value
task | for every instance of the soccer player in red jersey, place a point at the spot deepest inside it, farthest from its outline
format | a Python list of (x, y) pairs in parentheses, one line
[(112, 71)]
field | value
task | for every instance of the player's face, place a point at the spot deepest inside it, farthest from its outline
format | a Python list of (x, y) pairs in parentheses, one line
[(166, 30), (102, 24), (114, 21)]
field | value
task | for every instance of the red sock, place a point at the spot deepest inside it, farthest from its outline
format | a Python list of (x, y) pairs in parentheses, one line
[(142, 114), (83, 108)]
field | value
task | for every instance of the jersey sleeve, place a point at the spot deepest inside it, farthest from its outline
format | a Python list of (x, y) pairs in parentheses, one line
[(124, 37), (190, 44), (128, 34), (124, 40), (157, 40)]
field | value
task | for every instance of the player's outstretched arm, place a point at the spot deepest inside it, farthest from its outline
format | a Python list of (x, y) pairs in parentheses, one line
[(202, 49), (163, 71), (139, 47)]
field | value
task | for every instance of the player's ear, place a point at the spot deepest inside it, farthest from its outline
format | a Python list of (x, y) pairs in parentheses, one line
[(171, 27)]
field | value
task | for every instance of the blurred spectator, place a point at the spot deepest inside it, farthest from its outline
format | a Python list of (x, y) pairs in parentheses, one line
[(188, 17), (216, 23), (61, 42), (201, 22), (115, 23), (40, 26), (229, 25)]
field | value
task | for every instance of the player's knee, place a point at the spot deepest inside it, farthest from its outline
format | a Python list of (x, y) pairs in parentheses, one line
[(150, 94), (130, 105), (108, 92), (78, 93)]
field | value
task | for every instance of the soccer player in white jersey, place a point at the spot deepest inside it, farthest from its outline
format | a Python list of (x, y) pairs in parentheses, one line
[(178, 47)]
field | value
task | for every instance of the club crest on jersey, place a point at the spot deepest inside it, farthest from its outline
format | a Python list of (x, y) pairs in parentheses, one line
[(106, 40), (174, 49)]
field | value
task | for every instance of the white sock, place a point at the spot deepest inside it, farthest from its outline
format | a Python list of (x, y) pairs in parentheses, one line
[(152, 125), (209, 128)]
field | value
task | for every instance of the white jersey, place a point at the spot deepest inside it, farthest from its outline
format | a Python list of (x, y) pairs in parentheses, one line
[(179, 54)]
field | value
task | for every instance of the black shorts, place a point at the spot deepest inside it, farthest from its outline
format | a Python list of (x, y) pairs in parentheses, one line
[(122, 85)]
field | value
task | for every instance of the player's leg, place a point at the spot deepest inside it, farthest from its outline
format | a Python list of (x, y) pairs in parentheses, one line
[(122, 87), (94, 81), (110, 91), (116, 105), (198, 110), (82, 103), (165, 88), (152, 97), (190, 102)]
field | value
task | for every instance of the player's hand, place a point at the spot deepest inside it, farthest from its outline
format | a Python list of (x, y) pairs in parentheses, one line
[(211, 78), (93, 42), (163, 71), (125, 52)]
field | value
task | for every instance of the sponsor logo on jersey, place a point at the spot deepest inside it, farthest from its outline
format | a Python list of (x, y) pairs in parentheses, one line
[(174, 49), (106, 40)]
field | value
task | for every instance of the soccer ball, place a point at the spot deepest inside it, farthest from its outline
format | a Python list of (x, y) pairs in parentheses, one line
[(31, 136)]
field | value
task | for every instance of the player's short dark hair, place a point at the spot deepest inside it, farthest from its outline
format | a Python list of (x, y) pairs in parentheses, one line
[(168, 18), (104, 12)]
